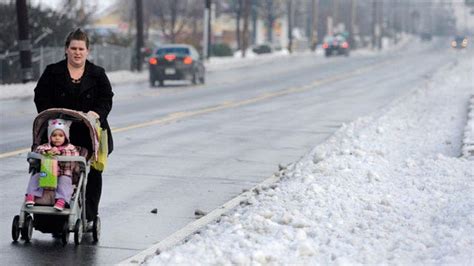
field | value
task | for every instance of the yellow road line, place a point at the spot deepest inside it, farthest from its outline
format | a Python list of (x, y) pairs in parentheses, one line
[(229, 104)]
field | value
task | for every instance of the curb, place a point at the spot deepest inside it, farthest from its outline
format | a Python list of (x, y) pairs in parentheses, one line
[(191, 228), (468, 139)]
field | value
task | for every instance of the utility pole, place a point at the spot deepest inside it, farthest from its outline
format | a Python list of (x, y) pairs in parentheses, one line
[(139, 48), (315, 24), (394, 21), (254, 21), (309, 21), (380, 23), (24, 41), (290, 26), (245, 34), (374, 24), (335, 14), (311, 25), (237, 26), (352, 27), (206, 47)]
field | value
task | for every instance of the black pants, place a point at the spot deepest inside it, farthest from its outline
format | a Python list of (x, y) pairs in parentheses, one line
[(93, 192)]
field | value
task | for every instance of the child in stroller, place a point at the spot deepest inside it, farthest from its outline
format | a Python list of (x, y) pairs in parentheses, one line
[(58, 144), (38, 212)]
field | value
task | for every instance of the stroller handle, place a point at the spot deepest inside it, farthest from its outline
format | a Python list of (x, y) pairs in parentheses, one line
[(79, 159)]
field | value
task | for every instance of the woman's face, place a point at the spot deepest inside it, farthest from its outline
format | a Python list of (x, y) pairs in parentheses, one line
[(77, 53)]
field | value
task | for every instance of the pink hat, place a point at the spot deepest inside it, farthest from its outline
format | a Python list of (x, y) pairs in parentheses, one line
[(61, 124)]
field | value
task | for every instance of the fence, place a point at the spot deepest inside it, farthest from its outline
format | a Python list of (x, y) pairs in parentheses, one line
[(109, 57)]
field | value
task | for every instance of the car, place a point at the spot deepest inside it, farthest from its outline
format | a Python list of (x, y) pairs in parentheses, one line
[(335, 45), (459, 42), (175, 62), (262, 49)]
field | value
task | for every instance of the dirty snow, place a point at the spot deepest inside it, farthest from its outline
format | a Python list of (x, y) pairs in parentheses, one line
[(386, 189)]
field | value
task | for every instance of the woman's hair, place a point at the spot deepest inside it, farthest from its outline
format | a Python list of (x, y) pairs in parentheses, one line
[(77, 35)]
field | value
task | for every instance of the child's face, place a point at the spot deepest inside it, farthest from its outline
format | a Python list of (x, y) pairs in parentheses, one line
[(57, 137)]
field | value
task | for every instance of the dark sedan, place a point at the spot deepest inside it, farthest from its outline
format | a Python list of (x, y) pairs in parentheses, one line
[(335, 45), (176, 62)]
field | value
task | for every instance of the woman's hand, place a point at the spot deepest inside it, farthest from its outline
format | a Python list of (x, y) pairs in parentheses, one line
[(93, 115)]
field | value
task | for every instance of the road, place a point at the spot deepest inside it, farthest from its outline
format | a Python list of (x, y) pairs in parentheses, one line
[(182, 148)]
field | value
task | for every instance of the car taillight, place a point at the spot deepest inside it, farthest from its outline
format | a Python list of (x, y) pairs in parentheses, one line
[(345, 45), (153, 61), (170, 57), (325, 45), (187, 60)]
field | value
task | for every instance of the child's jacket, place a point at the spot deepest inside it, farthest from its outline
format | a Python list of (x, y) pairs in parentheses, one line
[(65, 168)]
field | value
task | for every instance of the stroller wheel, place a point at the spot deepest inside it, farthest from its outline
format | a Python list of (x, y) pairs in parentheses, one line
[(78, 232), (16, 228), (65, 233), (96, 229), (27, 229)]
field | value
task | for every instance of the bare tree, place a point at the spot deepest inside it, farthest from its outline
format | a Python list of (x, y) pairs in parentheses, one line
[(172, 16), (196, 17), (270, 11), (78, 11)]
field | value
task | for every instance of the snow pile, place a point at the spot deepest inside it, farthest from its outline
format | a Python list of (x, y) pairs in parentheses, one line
[(9, 91), (380, 191), (468, 141), (388, 46), (225, 63)]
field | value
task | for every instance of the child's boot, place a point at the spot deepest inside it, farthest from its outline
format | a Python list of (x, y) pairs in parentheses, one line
[(29, 200), (60, 203)]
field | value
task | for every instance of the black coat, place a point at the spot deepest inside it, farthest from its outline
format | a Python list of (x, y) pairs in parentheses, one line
[(56, 90)]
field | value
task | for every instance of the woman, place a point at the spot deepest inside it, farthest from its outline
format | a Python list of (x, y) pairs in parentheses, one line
[(77, 84)]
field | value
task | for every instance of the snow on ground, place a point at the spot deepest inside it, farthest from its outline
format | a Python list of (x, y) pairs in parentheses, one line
[(383, 189), (389, 45)]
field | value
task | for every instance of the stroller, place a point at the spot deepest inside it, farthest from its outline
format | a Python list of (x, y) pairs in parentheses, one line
[(42, 216)]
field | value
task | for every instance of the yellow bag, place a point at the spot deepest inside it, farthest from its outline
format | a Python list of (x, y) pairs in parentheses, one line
[(101, 161)]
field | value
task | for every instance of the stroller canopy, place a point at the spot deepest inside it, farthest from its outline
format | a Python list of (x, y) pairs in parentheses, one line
[(83, 131)]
